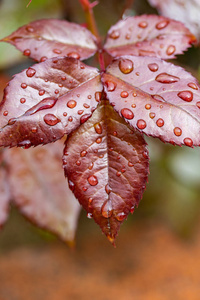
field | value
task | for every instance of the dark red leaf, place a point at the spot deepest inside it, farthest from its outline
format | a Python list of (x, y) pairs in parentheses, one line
[(46, 101), (40, 190), (4, 191), (148, 35), (156, 97), (107, 166), (49, 38)]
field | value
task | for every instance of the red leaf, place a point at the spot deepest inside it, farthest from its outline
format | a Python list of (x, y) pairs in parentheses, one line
[(107, 165), (40, 190), (185, 11), (156, 97), (4, 191), (46, 101), (148, 35), (49, 38)]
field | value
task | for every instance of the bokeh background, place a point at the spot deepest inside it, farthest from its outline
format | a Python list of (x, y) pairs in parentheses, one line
[(157, 254)]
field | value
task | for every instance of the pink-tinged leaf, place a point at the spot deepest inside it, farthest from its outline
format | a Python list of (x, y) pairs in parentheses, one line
[(39, 189), (48, 100), (4, 191), (107, 166), (148, 35), (49, 38), (186, 11), (156, 97)]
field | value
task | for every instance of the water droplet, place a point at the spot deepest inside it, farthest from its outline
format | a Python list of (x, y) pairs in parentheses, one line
[(115, 133), (125, 66), (130, 164), (74, 55), (133, 105), (70, 119), (145, 154), (12, 121), (166, 78), (143, 24), (198, 104), (83, 153), (92, 180), (141, 124), (98, 128), (160, 122), (34, 129), (43, 58), (84, 188), (124, 94), (86, 105), (132, 209), (188, 142), (71, 103), (29, 28), (108, 189), (98, 96), (56, 92), (27, 52), (193, 86), (25, 144), (153, 67), (89, 97), (152, 115), (128, 36), (24, 85), (60, 85), (186, 96), (63, 78), (111, 86), (148, 106), (57, 51), (22, 100), (80, 112), (99, 140), (51, 119), (114, 34), (137, 73), (71, 185), (118, 173), (30, 72), (78, 163), (91, 165), (127, 113), (177, 131), (120, 216), (90, 202), (162, 24), (170, 50), (5, 113), (84, 118), (41, 92), (89, 215), (106, 209)]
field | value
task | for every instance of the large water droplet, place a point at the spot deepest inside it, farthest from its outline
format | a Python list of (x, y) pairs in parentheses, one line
[(98, 128), (125, 66), (188, 142), (153, 67), (193, 85), (162, 24), (120, 216), (51, 119), (186, 96), (166, 78), (92, 180), (127, 113), (141, 124), (30, 72), (177, 131), (71, 103), (111, 86), (44, 104), (106, 209), (160, 122), (84, 118)]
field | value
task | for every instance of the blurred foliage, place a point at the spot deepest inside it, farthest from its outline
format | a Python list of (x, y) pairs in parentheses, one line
[(173, 191)]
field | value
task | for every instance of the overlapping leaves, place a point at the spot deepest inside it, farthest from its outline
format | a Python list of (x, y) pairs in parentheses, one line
[(105, 159)]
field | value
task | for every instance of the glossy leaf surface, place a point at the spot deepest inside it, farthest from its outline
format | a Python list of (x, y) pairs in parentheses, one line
[(108, 169), (156, 97), (148, 35), (186, 11), (49, 38), (4, 191), (46, 101), (40, 190)]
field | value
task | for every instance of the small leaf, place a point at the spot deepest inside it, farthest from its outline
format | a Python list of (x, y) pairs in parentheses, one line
[(39, 189), (156, 97), (107, 166), (4, 191), (148, 35), (49, 38), (48, 100), (185, 11)]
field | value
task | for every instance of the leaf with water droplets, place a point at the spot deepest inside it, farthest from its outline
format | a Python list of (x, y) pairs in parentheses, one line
[(4, 191), (156, 97), (49, 38), (148, 35), (108, 170), (186, 11), (48, 100), (40, 191)]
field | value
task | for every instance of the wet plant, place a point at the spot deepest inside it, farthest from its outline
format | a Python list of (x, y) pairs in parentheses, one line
[(102, 113)]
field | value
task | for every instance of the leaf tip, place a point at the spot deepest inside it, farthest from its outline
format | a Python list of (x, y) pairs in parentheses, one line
[(111, 239)]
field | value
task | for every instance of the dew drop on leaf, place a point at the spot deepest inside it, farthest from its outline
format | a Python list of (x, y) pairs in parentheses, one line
[(186, 96), (57, 51), (127, 113), (188, 142), (30, 72), (22, 100), (25, 144), (170, 50), (148, 106), (166, 78), (83, 153), (12, 121), (193, 85), (41, 92), (160, 122), (111, 86), (98, 96), (99, 140), (120, 216), (51, 119), (29, 28), (162, 24), (143, 24), (153, 67), (198, 104), (125, 66), (114, 34), (106, 209), (141, 124), (84, 118), (177, 131), (152, 115), (24, 85), (89, 215), (27, 52), (34, 129), (108, 189), (91, 165), (145, 154), (71, 103), (71, 185), (74, 55), (98, 128), (92, 180), (78, 163), (124, 94), (5, 113)]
